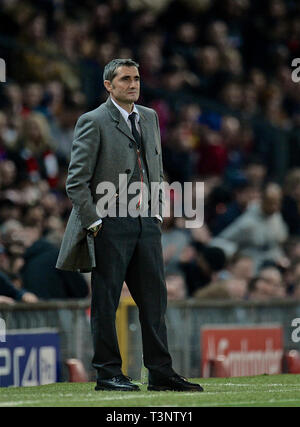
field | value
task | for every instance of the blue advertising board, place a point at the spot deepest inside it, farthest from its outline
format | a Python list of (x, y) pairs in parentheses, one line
[(29, 357)]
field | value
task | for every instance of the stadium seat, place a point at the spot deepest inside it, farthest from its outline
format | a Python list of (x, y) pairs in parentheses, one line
[(218, 367), (291, 362), (77, 372)]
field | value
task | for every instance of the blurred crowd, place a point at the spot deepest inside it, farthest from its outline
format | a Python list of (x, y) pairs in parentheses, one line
[(218, 73)]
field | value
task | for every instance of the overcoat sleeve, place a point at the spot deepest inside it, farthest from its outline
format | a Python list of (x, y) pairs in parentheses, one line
[(81, 169), (161, 171)]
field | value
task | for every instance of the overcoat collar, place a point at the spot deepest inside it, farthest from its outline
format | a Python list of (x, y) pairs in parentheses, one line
[(121, 124)]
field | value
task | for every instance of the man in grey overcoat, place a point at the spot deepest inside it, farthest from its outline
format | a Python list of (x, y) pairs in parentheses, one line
[(120, 240)]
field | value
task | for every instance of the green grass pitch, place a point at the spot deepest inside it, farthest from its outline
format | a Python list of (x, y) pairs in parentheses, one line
[(262, 390)]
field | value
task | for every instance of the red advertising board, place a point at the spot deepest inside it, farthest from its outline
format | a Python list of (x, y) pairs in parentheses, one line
[(232, 351)]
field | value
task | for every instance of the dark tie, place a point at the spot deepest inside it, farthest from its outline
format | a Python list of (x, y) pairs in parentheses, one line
[(138, 141), (134, 130)]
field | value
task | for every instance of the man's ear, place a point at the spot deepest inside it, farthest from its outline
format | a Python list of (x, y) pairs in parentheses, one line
[(107, 85)]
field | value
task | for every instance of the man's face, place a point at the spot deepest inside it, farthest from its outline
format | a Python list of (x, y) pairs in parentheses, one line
[(273, 280), (243, 269), (125, 86), (271, 203)]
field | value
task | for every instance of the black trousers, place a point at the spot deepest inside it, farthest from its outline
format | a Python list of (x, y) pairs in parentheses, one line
[(129, 249)]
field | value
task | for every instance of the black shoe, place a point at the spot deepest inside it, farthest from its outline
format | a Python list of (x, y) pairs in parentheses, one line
[(173, 383), (117, 383)]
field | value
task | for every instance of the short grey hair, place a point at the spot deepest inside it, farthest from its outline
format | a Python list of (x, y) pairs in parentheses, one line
[(110, 69)]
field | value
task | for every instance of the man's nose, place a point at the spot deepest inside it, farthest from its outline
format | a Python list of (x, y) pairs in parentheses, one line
[(133, 83)]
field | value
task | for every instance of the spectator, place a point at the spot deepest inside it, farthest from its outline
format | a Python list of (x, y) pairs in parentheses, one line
[(40, 276), (292, 248), (243, 194), (208, 66), (33, 155), (11, 293), (9, 210), (212, 154), (259, 290), (260, 231), (234, 289), (177, 154), (296, 293), (176, 287), (267, 285), (292, 276), (240, 267), (199, 263), (255, 172), (291, 201), (273, 277), (174, 240)]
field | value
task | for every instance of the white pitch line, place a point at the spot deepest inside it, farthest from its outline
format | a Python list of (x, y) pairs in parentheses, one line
[(206, 404), (249, 402), (97, 398), (4, 404), (249, 385), (143, 396)]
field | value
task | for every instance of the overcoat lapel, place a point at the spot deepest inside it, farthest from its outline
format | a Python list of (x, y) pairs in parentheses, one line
[(123, 127), (117, 117), (146, 132)]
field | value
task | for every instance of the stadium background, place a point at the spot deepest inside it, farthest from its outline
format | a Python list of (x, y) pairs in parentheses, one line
[(219, 75)]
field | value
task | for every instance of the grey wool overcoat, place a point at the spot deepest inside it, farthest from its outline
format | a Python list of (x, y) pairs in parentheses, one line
[(101, 151)]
